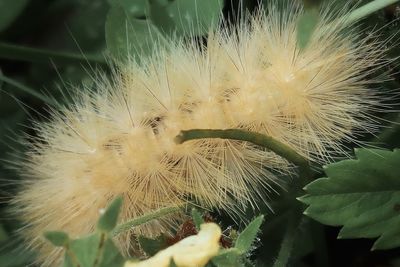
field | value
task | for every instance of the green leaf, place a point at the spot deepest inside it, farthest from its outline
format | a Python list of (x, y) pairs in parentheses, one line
[(160, 17), (197, 218), (246, 237), (195, 17), (58, 239), (93, 250), (227, 258), (69, 262), (152, 246), (127, 36), (137, 8), (108, 220), (85, 250), (306, 26), (9, 11), (111, 257), (362, 194)]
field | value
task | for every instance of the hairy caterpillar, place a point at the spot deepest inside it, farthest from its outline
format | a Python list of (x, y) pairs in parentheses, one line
[(119, 138)]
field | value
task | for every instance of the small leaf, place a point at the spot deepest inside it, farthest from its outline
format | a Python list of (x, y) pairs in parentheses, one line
[(108, 220), (111, 257), (58, 239), (197, 218), (362, 194), (227, 258), (152, 246), (247, 236), (68, 261), (306, 26), (85, 250), (93, 250)]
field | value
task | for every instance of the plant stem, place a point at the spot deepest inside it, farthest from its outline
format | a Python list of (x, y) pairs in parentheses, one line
[(28, 90), (368, 9), (16, 52), (144, 219), (319, 241), (256, 138), (288, 241)]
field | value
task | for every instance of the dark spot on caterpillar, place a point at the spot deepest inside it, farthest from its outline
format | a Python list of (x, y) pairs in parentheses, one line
[(188, 107), (170, 160), (154, 123), (228, 93), (112, 144)]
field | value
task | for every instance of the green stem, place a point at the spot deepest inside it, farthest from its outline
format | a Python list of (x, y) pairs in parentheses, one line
[(288, 242), (368, 9), (144, 219), (16, 52), (256, 138), (28, 90), (319, 241)]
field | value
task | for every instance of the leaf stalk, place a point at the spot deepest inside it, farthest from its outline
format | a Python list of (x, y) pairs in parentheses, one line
[(262, 140)]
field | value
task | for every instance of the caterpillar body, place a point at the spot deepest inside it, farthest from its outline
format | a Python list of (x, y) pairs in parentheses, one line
[(119, 138)]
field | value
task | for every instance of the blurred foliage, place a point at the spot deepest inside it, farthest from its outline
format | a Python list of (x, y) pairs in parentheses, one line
[(80, 28)]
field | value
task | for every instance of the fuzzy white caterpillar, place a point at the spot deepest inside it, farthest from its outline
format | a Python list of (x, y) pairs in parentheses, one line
[(119, 139)]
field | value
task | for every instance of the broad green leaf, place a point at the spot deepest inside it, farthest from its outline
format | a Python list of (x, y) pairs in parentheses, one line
[(108, 220), (306, 26), (247, 236), (127, 36), (9, 11), (185, 17), (197, 218), (160, 17), (86, 26), (152, 246), (361, 194), (58, 239), (193, 17), (137, 8)]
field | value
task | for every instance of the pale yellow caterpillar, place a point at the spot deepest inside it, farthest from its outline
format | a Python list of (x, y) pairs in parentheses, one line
[(119, 138)]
